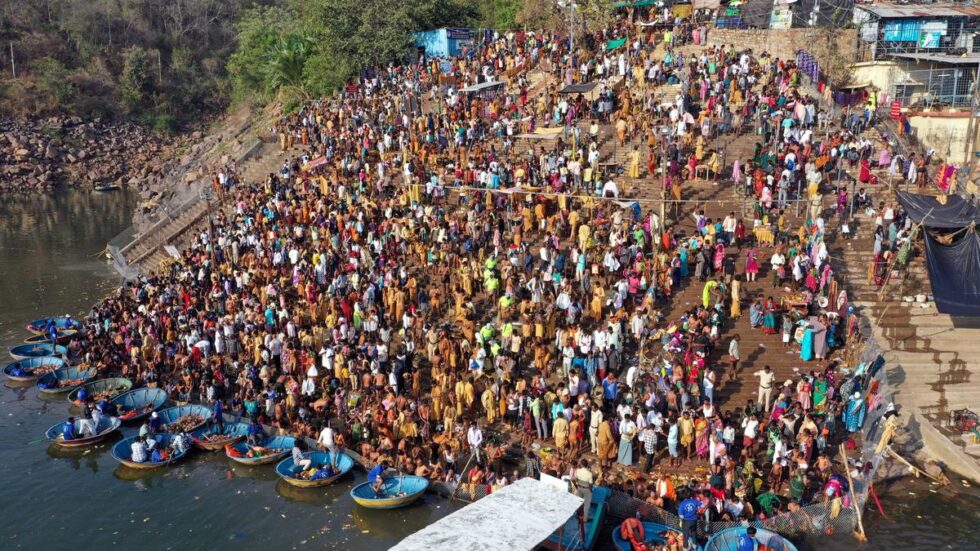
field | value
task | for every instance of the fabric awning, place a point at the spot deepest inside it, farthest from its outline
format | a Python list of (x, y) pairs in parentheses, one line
[(613, 44), (926, 210), (518, 516), (706, 4), (319, 161), (953, 268), (482, 86), (582, 88), (953, 273)]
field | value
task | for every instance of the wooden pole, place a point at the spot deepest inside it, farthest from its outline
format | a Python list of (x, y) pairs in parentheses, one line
[(462, 477), (13, 63), (859, 534)]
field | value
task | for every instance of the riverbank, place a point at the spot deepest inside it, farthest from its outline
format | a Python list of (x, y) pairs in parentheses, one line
[(38, 155)]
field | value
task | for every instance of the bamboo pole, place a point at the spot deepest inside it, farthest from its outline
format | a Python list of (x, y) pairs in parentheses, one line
[(462, 477), (859, 533), (915, 470)]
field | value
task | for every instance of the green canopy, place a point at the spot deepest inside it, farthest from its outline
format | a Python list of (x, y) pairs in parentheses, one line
[(613, 44), (637, 4)]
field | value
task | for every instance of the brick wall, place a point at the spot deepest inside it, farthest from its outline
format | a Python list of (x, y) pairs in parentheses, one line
[(785, 42)]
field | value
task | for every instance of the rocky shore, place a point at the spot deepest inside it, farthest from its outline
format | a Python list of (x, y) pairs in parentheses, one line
[(38, 155)]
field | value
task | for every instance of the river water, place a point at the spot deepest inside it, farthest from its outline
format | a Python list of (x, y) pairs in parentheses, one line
[(50, 265)]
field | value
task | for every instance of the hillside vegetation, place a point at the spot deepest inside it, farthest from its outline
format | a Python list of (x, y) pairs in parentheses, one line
[(164, 63)]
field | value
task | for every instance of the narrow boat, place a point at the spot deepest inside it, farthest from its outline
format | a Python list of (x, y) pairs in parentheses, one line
[(64, 379), (269, 450), (100, 389), (205, 438), (727, 539), (29, 370), (123, 452), (60, 322), (652, 534), (575, 535), (24, 351), (107, 187), (107, 426), (135, 405), (61, 338), (185, 418), (289, 472), (398, 491)]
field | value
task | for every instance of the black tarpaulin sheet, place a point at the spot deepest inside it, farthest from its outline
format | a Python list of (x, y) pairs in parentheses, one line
[(583, 88), (954, 271), (926, 210)]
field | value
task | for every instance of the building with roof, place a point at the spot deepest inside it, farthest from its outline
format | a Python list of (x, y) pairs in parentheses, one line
[(445, 42), (926, 56)]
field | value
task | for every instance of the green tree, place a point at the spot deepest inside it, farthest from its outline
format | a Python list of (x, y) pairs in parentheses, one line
[(286, 63), (53, 81), (138, 80), (258, 31)]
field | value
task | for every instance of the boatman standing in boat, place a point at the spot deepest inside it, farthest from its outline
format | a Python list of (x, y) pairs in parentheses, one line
[(87, 424), (690, 510), (327, 441), (376, 477), (583, 481), (747, 541), (218, 419)]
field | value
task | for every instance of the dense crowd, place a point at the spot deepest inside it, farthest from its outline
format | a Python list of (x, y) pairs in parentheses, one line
[(420, 285)]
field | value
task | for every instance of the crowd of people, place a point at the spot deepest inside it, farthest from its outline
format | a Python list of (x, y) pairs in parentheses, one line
[(420, 287)]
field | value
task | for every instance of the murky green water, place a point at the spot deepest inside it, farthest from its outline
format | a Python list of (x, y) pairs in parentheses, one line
[(50, 264)]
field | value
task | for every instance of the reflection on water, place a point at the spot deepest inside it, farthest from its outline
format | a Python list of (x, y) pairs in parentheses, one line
[(50, 261)]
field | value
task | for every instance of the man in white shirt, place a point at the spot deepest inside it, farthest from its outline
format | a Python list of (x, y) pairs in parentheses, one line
[(610, 189), (474, 437), (766, 377), (138, 453), (728, 226), (595, 419)]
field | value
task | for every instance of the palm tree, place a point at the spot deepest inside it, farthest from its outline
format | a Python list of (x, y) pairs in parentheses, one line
[(284, 69)]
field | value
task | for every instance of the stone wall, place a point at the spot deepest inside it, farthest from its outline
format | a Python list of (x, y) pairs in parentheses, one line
[(785, 42)]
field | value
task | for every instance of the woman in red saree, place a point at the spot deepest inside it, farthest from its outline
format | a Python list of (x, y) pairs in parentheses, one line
[(865, 175)]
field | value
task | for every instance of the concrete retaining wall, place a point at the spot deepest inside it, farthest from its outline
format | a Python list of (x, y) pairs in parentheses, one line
[(784, 43)]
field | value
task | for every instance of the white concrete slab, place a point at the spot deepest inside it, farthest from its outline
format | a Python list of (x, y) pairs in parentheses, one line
[(519, 516)]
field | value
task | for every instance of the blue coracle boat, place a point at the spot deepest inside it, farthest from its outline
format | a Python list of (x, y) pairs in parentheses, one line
[(398, 491), (107, 426), (727, 540), (64, 379), (574, 536), (135, 405), (24, 351), (207, 438), (60, 322), (29, 370), (268, 450), (123, 452), (173, 414), (341, 463), (653, 534), (61, 337), (101, 389)]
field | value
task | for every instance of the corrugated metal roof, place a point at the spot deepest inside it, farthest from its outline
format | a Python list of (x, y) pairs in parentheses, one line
[(969, 59), (893, 11)]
